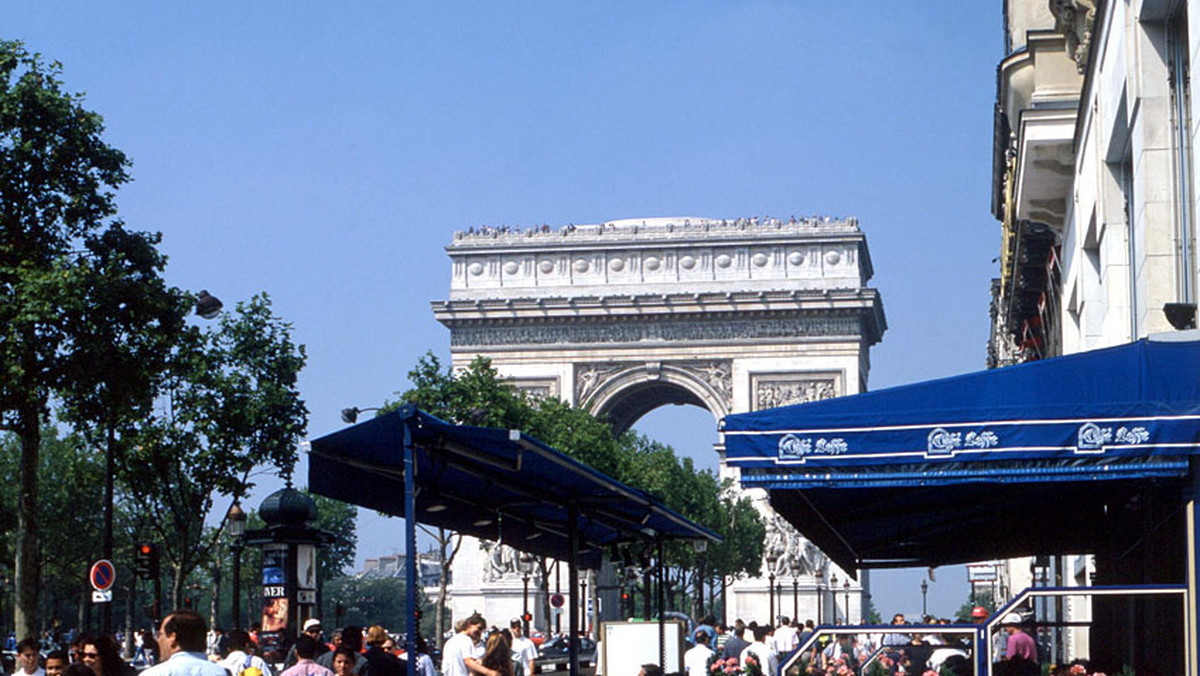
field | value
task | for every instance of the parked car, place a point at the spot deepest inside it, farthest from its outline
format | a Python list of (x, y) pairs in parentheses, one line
[(553, 656)]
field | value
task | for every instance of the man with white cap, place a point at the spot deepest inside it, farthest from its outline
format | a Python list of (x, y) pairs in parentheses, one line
[(312, 628), (1020, 646)]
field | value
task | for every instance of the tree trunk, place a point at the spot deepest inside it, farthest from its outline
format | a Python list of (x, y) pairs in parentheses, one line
[(215, 605), (176, 588), (130, 600), (25, 567), (698, 578)]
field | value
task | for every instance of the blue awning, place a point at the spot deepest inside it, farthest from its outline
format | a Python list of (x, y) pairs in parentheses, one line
[(990, 464), (496, 484)]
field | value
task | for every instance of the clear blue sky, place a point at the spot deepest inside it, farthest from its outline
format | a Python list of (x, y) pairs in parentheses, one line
[(325, 153)]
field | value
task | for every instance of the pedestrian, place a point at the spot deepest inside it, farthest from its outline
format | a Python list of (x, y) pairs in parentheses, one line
[(379, 661), (424, 661), (241, 657), (312, 628), (344, 660), (461, 655), (524, 651), (352, 641), (57, 662), (27, 658), (306, 650), (695, 660), (103, 655), (181, 644), (736, 643), (760, 652), (497, 656)]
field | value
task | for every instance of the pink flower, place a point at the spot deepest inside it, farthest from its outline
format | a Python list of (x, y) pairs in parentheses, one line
[(931, 672), (1078, 670)]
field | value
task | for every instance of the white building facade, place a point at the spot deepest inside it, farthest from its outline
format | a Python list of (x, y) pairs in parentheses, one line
[(1094, 184)]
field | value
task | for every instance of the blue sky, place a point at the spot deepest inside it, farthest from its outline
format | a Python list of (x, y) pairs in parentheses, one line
[(326, 152)]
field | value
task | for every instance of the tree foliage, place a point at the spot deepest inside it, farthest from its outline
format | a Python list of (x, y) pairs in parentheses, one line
[(230, 404), (477, 395), (57, 183)]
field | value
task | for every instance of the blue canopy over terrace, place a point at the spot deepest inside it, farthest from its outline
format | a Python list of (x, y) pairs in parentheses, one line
[(496, 484), (1087, 453), (991, 464)]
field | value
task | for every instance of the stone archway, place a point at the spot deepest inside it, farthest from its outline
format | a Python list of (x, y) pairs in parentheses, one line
[(624, 392), (627, 316)]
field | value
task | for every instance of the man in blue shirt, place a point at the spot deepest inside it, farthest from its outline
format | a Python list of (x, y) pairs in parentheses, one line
[(182, 639)]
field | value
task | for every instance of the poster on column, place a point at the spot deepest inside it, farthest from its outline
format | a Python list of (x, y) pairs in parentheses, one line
[(274, 586), (306, 567)]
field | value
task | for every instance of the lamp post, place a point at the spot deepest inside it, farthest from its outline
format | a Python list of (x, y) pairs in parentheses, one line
[(846, 591), (772, 559), (924, 592), (819, 575), (237, 530), (525, 565), (833, 580), (795, 599), (207, 306)]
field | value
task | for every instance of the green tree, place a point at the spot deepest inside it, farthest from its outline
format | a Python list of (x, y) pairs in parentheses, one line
[(57, 182), (230, 405)]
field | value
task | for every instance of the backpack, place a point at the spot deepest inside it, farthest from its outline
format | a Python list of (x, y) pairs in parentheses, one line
[(248, 670)]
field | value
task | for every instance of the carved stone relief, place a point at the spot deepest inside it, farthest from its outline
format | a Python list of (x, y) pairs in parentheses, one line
[(501, 562), (1075, 19), (786, 553), (635, 331), (770, 390), (717, 374), (536, 388)]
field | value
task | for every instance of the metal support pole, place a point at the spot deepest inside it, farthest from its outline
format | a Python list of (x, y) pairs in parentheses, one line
[(573, 585), (771, 597), (107, 545), (662, 603), (236, 608), (796, 600), (820, 594), (410, 551), (525, 607)]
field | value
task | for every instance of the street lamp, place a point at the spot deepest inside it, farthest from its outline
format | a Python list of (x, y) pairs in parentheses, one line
[(846, 590), (236, 521), (833, 580), (795, 598), (772, 559), (819, 575), (525, 565), (350, 415), (207, 306), (924, 592)]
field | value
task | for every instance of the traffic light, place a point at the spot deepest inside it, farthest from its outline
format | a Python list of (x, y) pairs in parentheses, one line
[(187, 602), (146, 565), (527, 617)]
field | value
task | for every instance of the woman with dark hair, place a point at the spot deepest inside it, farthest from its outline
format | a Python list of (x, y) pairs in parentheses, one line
[(344, 659), (102, 654), (498, 656)]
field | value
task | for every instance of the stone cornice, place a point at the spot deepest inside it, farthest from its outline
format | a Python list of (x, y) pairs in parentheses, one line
[(632, 306), (686, 313)]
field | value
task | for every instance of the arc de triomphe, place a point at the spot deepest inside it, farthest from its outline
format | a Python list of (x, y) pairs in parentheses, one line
[(627, 316)]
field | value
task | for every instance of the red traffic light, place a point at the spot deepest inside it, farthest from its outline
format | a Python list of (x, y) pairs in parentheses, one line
[(528, 617), (145, 549)]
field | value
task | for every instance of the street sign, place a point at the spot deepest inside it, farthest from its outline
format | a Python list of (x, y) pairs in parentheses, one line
[(102, 576), (99, 596), (557, 600)]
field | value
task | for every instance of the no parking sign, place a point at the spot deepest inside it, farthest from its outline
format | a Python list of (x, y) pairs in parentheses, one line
[(102, 576)]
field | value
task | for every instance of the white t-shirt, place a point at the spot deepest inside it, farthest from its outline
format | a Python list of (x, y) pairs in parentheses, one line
[(456, 651), (524, 652), (785, 639), (21, 672), (695, 661)]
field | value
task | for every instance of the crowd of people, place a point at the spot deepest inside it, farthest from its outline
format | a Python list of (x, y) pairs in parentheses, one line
[(184, 646)]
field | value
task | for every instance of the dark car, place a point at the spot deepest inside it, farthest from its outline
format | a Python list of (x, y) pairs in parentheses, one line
[(553, 656)]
